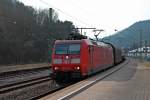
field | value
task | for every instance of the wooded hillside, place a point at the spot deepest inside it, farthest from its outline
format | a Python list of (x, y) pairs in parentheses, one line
[(27, 34)]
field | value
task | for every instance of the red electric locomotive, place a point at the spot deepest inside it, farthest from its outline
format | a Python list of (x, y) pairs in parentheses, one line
[(80, 58)]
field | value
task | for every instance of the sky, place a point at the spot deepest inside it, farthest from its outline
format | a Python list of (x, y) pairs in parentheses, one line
[(101, 14)]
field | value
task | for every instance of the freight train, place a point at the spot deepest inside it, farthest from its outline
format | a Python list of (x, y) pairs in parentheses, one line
[(81, 58)]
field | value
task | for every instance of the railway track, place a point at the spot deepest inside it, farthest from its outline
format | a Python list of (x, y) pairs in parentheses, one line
[(10, 78), (10, 82), (39, 87), (31, 87), (23, 84), (27, 84)]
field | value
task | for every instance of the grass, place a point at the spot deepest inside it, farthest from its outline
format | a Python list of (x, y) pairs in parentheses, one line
[(147, 64)]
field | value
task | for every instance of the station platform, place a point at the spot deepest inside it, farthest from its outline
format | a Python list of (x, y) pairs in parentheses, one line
[(22, 67), (131, 82)]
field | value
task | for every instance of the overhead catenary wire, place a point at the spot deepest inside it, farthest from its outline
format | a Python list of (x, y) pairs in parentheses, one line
[(80, 9), (57, 9), (78, 6)]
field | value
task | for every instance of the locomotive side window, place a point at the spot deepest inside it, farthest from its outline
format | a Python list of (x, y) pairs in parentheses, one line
[(67, 49)]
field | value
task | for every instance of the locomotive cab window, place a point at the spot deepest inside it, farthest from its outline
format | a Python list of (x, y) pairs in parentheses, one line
[(67, 49), (61, 49), (74, 49)]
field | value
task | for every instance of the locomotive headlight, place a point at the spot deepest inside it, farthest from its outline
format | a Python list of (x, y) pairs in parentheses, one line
[(78, 68), (55, 68)]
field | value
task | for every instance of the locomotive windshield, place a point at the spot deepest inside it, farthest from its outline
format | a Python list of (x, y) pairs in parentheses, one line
[(67, 49)]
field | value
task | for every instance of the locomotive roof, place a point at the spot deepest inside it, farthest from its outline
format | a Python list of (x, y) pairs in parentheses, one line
[(67, 41), (94, 42), (88, 41)]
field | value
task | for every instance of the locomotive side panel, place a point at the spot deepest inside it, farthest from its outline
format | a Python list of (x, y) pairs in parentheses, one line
[(102, 57), (85, 57)]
